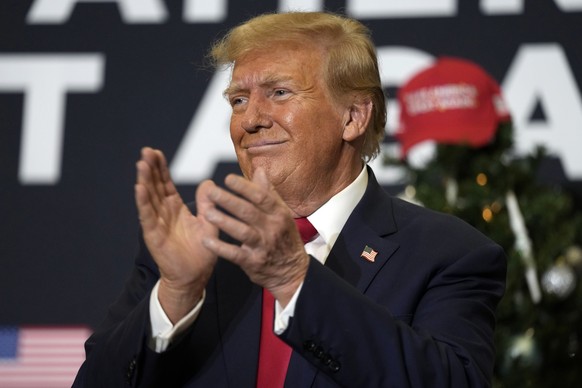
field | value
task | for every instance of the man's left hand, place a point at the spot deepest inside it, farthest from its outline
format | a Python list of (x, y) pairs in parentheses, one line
[(271, 251)]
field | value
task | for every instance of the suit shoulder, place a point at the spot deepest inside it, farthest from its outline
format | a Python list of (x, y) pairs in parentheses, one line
[(431, 224)]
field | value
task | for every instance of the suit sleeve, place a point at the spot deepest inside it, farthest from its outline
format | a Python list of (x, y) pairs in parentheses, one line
[(112, 351), (117, 354), (427, 320)]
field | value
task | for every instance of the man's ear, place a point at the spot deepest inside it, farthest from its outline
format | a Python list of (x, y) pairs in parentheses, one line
[(358, 117)]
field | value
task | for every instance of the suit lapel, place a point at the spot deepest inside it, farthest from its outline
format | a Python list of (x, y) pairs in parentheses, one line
[(368, 225)]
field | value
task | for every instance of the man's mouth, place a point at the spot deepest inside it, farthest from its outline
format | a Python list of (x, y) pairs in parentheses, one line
[(262, 145)]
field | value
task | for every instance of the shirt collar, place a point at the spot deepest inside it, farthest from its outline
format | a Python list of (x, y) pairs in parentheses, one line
[(330, 218)]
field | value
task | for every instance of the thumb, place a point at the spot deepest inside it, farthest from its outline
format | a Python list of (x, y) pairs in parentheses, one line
[(203, 202), (261, 179)]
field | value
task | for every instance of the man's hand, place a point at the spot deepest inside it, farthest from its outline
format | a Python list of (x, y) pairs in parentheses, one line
[(173, 235), (271, 251)]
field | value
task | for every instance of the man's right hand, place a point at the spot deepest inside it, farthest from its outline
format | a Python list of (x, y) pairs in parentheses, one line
[(173, 235)]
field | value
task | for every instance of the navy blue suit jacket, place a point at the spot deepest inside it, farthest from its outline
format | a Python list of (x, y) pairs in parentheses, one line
[(421, 315)]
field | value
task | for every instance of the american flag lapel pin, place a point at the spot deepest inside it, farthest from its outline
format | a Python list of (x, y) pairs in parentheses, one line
[(369, 254)]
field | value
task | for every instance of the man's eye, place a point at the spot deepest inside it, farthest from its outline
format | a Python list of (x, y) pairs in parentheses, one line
[(281, 92), (236, 101)]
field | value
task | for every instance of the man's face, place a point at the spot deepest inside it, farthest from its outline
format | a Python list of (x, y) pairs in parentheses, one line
[(284, 120)]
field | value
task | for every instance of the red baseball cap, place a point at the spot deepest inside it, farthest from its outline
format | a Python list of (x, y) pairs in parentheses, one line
[(453, 101)]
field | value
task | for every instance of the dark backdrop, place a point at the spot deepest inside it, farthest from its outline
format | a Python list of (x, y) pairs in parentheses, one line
[(84, 85)]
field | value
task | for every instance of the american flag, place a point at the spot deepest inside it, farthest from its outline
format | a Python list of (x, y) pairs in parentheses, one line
[(40, 357), (369, 254)]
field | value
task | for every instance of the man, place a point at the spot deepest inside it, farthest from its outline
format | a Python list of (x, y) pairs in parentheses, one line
[(387, 294)]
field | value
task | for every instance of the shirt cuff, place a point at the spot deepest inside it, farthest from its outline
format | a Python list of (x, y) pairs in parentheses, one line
[(282, 315), (163, 331)]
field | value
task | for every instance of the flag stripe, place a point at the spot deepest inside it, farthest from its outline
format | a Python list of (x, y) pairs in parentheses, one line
[(369, 254), (60, 363), (44, 356)]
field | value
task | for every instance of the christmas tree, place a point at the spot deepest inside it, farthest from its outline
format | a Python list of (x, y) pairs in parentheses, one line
[(477, 178)]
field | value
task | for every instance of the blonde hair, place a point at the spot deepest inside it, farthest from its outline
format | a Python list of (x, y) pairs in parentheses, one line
[(351, 65)]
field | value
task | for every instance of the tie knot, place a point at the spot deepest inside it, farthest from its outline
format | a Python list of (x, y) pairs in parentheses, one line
[(306, 230)]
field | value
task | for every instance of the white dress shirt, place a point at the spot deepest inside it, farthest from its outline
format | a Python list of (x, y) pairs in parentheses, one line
[(328, 220)]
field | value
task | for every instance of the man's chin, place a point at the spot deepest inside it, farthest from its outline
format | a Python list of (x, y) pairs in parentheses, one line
[(267, 164)]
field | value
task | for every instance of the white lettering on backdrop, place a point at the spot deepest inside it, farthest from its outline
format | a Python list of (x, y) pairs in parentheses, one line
[(45, 80), (215, 11), (206, 140), (540, 73), (132, 11)]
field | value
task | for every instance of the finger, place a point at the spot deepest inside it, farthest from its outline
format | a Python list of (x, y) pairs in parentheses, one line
[(208, 196), (150, 207), (203, 201), (258, 191), (165, 189), (147, 215), (156, 173), (261, 179), (163, 192), (239, 230), (237, 206), (164, 174), (234, 253), (146, 178)]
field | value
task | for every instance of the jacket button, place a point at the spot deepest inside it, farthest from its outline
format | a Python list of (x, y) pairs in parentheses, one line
[(318, 352), (309, 345), (334, 366), (130, 370)]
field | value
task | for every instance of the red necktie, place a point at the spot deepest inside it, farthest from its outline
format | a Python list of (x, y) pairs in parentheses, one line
[(274, 354)]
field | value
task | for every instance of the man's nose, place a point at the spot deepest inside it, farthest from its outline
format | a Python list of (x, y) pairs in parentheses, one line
[(256, 116)]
